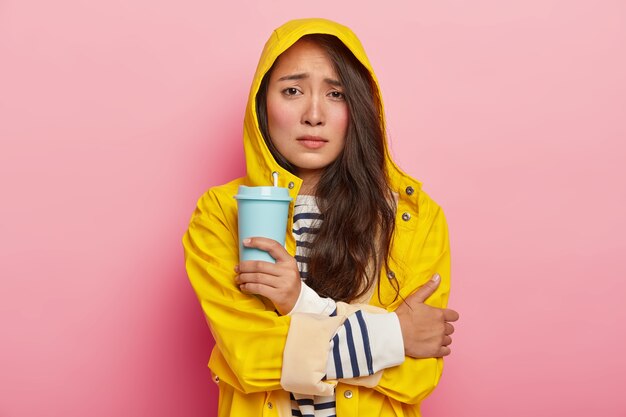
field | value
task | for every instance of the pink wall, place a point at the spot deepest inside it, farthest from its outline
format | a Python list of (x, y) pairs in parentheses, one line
[(116, 116)]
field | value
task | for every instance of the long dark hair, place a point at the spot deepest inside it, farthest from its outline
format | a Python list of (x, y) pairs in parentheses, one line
[(353, 194)]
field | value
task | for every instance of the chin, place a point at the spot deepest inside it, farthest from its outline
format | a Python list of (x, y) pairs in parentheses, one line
[(312, 166)]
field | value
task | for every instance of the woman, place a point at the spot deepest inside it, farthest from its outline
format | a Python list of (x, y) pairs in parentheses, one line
[(348, 321)]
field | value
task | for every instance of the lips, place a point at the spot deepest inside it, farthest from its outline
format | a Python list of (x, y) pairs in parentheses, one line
[(312, 142)]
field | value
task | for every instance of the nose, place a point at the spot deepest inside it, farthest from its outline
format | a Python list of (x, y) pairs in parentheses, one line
[(313, 114)]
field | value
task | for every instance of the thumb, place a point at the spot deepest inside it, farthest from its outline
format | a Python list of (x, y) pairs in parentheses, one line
[(427, 289)]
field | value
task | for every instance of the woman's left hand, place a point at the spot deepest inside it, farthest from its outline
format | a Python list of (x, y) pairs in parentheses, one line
[(280, 282)]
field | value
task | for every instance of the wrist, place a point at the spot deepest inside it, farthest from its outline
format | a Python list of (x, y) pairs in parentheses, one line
[(403, 321), (292, 300)]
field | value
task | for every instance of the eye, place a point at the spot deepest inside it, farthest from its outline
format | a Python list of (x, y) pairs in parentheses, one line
[(337, 95), (291, 91)]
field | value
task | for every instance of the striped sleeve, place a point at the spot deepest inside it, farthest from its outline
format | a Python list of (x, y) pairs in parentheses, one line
[(365, 344)]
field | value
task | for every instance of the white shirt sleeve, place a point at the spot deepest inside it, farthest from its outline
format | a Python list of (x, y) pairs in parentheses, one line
[(310, 302)]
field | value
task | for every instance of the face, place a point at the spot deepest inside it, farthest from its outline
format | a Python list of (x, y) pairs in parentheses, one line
[(306, 109)]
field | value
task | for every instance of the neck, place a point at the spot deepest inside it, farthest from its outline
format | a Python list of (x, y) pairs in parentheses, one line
[(310, 178)]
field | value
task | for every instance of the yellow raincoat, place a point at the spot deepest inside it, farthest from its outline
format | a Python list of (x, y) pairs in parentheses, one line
[(252, 361)]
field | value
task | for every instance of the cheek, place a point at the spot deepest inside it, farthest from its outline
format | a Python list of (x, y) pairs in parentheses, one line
[(279, 118), (341, 120), (346, 119)]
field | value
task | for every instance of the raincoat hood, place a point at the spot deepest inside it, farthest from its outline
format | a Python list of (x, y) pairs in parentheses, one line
[(260, 163)]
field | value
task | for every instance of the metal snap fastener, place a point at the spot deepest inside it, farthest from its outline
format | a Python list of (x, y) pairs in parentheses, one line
[(409, 190), (216, 379), (270, 406), (391, 275), (348, 394), (406, 216), (291, 185)]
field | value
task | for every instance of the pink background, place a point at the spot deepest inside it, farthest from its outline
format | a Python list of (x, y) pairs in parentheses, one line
[(116, 116)]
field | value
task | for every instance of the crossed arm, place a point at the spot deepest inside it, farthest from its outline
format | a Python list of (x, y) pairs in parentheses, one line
[(426, 330)]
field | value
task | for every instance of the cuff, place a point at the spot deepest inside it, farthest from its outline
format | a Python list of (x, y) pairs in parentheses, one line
[(310, 302), (386, 341)]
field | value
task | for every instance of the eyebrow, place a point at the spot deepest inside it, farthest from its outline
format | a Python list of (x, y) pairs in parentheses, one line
[(302, 76)]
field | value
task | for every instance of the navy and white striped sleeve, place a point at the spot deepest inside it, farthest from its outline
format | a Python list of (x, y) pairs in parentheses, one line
[(365, 344)]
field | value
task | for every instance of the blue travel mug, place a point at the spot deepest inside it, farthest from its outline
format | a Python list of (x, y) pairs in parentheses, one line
[(262, 211)]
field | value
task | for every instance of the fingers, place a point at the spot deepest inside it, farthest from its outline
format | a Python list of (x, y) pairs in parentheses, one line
[(449, 329), (283, 271), (256, 278), (257, 266), (427, 289), (450, 315), (275, 249), (444, 351), (259, 289)]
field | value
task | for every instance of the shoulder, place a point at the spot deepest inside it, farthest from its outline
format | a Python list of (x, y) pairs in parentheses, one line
[(215, 215), (415, 206), (428, 208), (219, 198), (421, 227)]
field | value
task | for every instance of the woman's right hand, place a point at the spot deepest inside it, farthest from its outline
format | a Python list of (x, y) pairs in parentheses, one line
[(280, 282), (426, 330)]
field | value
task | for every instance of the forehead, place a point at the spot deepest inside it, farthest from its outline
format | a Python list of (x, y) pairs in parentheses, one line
[(303, 56)]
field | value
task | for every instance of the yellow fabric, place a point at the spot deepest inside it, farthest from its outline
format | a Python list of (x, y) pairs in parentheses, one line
[(250, 337)]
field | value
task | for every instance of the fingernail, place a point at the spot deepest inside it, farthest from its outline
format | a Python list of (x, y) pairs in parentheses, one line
[(436, 278), (246, 241)]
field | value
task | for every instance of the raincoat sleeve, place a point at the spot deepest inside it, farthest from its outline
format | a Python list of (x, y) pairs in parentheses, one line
[(249, 334), (415, 379)]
